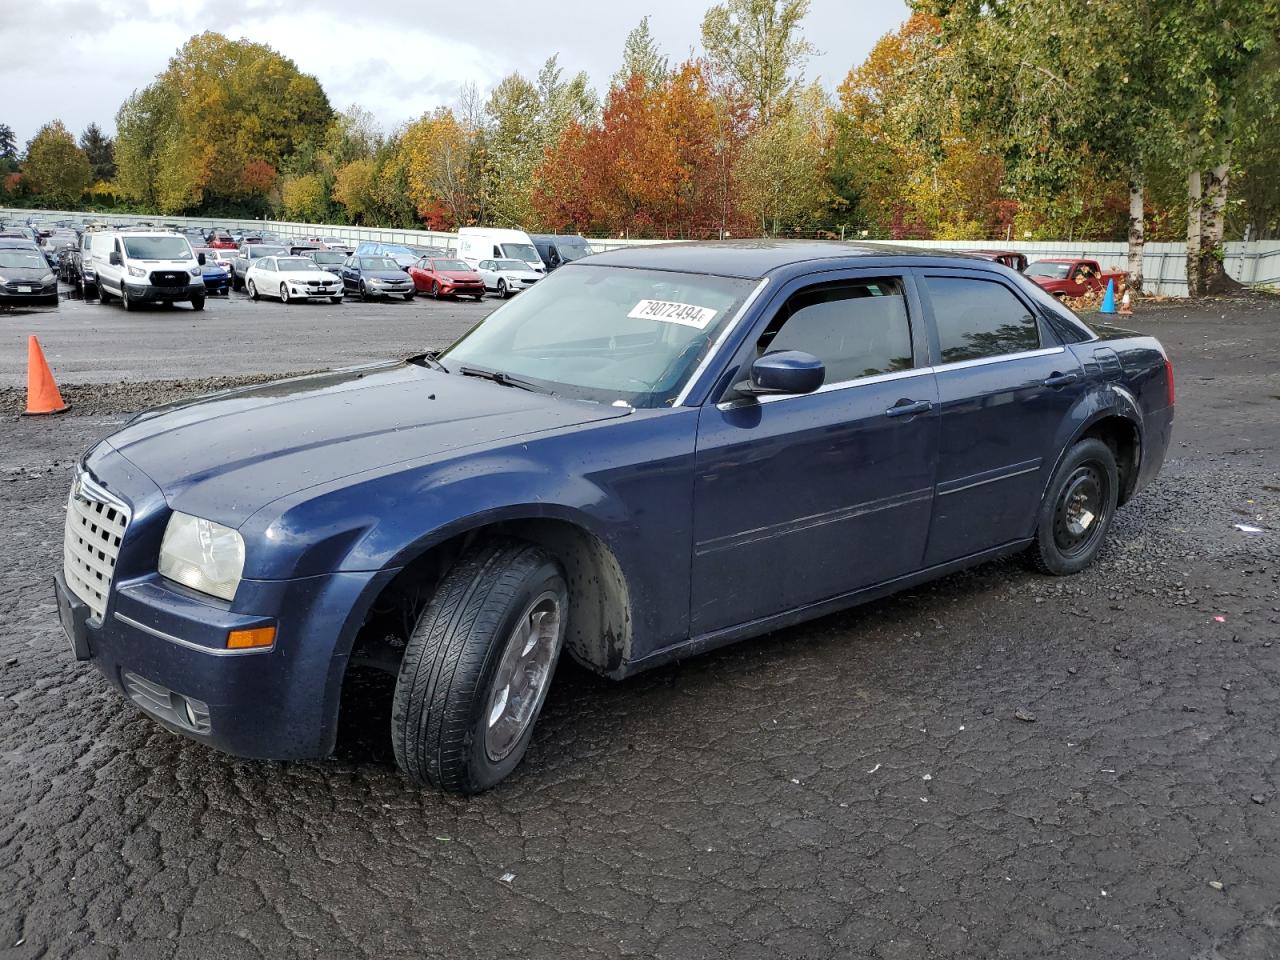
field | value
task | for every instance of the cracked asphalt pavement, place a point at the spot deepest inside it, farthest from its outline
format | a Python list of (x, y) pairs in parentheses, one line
[(995, 765)]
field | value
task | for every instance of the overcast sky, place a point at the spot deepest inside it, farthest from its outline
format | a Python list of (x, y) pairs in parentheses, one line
[(76, 60)]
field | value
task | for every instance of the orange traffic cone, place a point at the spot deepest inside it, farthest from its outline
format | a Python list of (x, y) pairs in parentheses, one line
[(42, 390)]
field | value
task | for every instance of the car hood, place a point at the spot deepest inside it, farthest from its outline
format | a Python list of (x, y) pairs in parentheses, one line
[(459, 274), (520, 274), (302, 276), (24, 273), (225, 456), (385, 274)]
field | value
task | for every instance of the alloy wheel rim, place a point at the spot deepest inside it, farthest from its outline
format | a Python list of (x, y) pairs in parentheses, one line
[(1078, 514), (523, 676)]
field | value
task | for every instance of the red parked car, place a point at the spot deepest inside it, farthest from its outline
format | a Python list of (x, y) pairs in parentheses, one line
[(1010, 258), (1072, 277), (221, 240), (446, 277)]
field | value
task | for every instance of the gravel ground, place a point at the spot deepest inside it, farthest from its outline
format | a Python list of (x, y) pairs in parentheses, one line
[(994, 765)]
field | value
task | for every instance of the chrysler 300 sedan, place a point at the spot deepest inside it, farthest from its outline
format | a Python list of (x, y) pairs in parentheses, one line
[(651, 453)]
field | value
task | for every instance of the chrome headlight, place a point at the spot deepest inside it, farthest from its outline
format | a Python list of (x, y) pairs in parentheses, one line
[(202, 555), (137, 272), (197, 270), (48, 278)]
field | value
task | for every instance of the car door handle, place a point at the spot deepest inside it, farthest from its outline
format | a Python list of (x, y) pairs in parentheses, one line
[(1061, 379), (908, 408)]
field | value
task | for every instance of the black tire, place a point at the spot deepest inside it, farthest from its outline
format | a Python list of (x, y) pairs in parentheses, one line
[(103, 295), (253, 290), (364, 292), (442, 702), (502, 289), (197, 303), (236, 283), (1077, 510), (479, 297), (124, 297), (335, 300), (408, 296), (435, 290), (284, 293)]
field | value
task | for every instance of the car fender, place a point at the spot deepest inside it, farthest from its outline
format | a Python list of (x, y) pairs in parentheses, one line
[(1097, 403)]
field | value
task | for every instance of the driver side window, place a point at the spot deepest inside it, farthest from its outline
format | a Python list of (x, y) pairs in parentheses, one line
[(857, 328)]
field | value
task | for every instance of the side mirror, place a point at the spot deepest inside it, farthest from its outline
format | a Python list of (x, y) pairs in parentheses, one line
[(114, 258), (200, 259), (784, 372)]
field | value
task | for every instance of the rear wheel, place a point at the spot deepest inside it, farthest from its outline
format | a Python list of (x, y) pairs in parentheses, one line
[(103, 295), (1077, 510), (478, 666)]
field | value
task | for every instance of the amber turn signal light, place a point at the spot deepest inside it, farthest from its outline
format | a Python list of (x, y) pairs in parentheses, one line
[(251, 639)]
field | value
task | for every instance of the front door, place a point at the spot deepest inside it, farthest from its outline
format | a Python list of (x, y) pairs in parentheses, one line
[(801, 498), (1005, 387)]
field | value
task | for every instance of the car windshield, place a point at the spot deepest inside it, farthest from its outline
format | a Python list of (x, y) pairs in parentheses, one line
[(572, 248), (512, 265), (520, 251), (396, 250), (605, 333), (455, 265), (257, 250), (378, 263), (15, 259), (1043, 268), (295, 263), (157, 248), (321, 256)]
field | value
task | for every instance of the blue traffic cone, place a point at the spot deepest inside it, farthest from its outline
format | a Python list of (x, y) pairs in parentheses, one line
[(1109, 301)]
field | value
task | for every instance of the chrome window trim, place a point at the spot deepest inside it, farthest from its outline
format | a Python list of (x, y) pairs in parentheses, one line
[(1003, 358), (199, 648), (896, 375), (719, 342)]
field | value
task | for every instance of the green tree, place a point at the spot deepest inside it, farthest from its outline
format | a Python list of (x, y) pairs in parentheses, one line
[(641, 55), (781, 169), (755, 46), (304, 197), (101, 152), (55, 168), (146, 122), (8, 143)]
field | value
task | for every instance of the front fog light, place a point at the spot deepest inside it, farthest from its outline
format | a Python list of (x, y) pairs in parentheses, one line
[(202, 555)]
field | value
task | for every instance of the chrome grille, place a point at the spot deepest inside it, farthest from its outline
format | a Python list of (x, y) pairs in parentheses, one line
[(96, 522)]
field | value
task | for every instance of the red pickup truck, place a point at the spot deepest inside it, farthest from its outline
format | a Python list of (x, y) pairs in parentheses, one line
[(1067, 277)]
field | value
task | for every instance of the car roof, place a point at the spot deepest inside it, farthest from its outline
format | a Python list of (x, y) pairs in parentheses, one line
[(18, 243), (754, 259)]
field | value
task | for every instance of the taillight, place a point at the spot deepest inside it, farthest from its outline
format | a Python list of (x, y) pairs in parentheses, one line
[(1168, 377)]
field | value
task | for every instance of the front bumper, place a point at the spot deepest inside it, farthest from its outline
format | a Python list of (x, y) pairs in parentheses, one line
[(217, 285), (164, 646), (145, 292), (19, 292), (389, 290)]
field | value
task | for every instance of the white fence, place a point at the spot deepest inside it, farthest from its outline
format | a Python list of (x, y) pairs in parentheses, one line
[(1164, 265)]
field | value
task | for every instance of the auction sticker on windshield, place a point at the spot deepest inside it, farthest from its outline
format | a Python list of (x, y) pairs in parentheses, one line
[(687, 314)]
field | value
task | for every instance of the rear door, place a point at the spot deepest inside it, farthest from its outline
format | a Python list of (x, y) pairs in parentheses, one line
[(1005, 386), (802, 498)]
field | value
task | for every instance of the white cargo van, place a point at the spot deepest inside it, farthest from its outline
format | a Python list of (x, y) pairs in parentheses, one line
[(494, 243), (147, 266)]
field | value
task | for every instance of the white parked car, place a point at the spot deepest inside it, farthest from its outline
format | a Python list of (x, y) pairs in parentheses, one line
[(291, 278), (506, 277)]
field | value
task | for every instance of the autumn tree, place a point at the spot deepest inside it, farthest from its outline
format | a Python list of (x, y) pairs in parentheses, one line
[(781, 164), (244, 108), (755, 47), (354, 188), (55, 168), (303, 197)]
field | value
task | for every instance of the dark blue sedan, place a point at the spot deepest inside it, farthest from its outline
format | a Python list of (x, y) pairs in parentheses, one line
[(651, 453)]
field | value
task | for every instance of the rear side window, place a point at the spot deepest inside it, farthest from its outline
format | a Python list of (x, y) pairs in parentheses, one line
[(856, 328), (979, 318)]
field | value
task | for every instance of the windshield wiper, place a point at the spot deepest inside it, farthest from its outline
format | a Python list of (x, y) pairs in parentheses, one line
[(497, 376), (429, 360)]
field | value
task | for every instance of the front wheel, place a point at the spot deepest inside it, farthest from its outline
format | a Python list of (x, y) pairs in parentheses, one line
[(478, 666), (335, 299), (124, 298), (284, 293), (1077, 510), (408, 296), (197, 303), (502, 289), (435, 290)]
